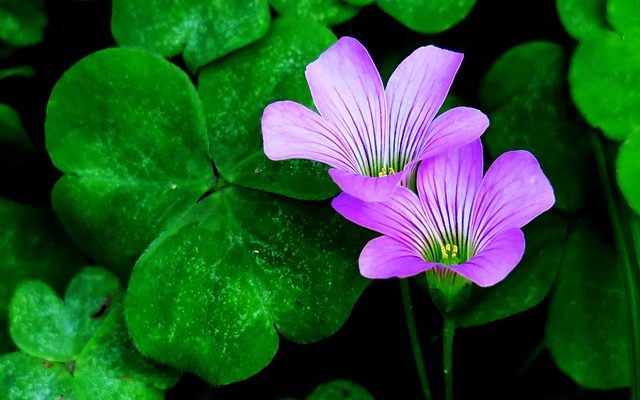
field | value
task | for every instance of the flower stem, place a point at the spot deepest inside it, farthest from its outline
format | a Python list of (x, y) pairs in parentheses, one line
[(624, 237), (447, 353), (415, 343)]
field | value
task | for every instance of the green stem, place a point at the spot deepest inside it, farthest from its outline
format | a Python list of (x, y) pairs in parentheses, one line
[(624, 242), (415, 343), (447, 353)]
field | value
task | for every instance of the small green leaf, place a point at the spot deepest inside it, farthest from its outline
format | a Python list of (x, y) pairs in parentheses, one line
[(427, 16), (235, 92), (79, 349), (201, 29), (44, 326), (328, 12), (529, 282), (628, 170), (22, 22), (12, 132), (32, 246), (587, 325), (526, 98), (583, 18), (624, 16), (25, 377), (127, 129), (340, 389), (241, 265), (603, 70)]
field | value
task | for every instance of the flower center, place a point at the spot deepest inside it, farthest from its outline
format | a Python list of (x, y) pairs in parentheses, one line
[(449, 254), (386, 171)]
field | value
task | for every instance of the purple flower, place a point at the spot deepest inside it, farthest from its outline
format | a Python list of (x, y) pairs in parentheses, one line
[(372, 137), (461, 221)]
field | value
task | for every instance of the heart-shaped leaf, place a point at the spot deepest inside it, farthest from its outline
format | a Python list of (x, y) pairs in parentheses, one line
[(32, 246), (528, 104), (239, 266), (602, 71), (328, 12), (202, 30), (22, 22), (587, 325), (628, 170), (127, 129), (427, 16), (529, 282), (78, 348), (235, 91)]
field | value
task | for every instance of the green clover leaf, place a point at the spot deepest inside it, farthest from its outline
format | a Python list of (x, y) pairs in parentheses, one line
[(76, 348), (529, 108), (587, 325), (234, 93), (237, 263), (202, 30), (32, 246)]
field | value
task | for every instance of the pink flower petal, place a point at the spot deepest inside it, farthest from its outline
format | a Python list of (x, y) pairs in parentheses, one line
[(415, 93), (365, 187), (401, 217), (290, 130), (348, 92), (494, 262), (384, 258), (454, 128), (447, 185), (513, 192)]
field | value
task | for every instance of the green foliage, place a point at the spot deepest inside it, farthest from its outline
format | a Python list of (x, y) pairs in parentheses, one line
[(76, 349), (128, 130), (202, 30), (526, 98), (339, 389), (427, 16), (234, 93), (22, 22), (32, 246), (328, 12), (135, 173), (628, 170), (587, 324), (242, 264), (12, 132), (529, 282), (583, 18)]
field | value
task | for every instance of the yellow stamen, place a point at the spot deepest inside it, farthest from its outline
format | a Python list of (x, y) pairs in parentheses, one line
[(383, 172), (449, 252)]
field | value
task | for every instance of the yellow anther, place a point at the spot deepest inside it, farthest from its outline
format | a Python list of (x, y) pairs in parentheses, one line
[(454, 255), (448, 247), (449, 252), (455, 248), (383, 172), (445, 256), (391, 171)]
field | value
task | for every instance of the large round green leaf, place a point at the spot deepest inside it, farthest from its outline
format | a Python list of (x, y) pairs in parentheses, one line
[(603, 72), (528, 104), (203, 29), (427, 16), (127, 129), (22, 22), (241, 265), (628, 170), (583, 18), (587, 324), (235, 92), (529, 282), (624, 16), (79, 349), (324, 11)]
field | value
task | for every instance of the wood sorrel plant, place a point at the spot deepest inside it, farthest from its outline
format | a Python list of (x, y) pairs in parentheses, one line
[(167, 175)]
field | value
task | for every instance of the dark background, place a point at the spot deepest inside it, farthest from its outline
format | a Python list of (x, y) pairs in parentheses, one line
[(502, 360)]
